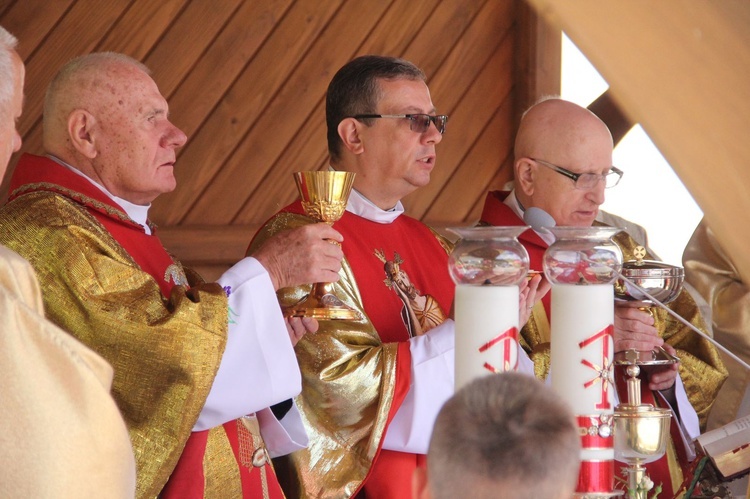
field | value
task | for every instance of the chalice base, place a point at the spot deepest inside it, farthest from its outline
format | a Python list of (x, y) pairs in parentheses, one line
[(326, 307)]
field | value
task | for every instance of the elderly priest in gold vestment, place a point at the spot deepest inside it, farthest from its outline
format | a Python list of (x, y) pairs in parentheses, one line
[(198, 368)]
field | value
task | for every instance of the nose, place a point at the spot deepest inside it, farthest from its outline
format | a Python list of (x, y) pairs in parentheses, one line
[(596, 194), (174, 137), (432, 135)]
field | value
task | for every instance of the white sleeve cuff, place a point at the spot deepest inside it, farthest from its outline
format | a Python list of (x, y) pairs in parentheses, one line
[(432, 383), (688, 422), (259, 367), (285, 436)]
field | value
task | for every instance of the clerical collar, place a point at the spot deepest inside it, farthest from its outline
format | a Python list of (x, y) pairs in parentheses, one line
[(138, 213), (363, 207), (514, 204)]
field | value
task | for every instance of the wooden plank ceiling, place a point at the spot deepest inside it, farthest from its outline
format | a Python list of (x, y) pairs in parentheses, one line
[(246, 82)]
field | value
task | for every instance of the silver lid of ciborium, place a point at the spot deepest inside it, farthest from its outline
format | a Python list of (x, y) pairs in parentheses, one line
[(660, 280)]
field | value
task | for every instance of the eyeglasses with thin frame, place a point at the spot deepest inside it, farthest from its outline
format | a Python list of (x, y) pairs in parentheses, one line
[(586, 181), (419, 123)]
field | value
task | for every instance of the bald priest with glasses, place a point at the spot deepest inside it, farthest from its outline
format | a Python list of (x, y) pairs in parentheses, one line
[(563, 165)]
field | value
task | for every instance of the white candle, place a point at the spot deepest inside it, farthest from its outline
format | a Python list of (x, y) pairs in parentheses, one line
[(582, 349), (486, 331)]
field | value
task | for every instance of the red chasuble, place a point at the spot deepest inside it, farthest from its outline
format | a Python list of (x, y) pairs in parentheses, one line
[(35, 173), (391, 263), (496, 212)]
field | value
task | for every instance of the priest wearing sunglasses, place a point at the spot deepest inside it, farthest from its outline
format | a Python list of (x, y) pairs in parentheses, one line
[(372, 388)]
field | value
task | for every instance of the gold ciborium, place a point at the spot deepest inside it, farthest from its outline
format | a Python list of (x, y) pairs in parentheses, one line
[(324, 196), (640, 430)]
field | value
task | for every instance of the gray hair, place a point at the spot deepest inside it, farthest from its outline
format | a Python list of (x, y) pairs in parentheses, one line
[(504, 432), (8, 44)]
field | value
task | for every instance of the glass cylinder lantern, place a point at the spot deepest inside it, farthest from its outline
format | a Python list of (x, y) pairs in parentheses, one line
[(487, 264), (582, 265)]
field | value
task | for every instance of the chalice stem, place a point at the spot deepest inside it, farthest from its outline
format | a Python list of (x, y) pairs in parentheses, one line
[(321, 289)]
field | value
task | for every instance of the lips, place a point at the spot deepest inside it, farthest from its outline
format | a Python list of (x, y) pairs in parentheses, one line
[(427, 160)]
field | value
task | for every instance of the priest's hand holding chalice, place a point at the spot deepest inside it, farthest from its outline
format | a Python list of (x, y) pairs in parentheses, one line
[(324, 196)]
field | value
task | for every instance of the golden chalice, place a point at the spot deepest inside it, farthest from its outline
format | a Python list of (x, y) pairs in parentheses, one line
[(641, 430), (324, 196)]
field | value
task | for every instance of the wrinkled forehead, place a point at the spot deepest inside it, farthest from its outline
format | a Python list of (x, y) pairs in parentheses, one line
[(125, 86)]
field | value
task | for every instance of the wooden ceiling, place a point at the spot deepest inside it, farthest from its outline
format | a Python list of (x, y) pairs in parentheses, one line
[(246, 82)]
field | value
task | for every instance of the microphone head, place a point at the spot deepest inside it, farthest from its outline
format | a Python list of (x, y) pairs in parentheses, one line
[(538, 219)]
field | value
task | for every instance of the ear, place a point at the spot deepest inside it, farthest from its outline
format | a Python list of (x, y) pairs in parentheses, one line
[(524, 170), (419, 486), (80, 126), (349, 132)]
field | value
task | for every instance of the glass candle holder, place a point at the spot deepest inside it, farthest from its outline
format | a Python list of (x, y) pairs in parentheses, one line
[(583, 255), (487, 264)]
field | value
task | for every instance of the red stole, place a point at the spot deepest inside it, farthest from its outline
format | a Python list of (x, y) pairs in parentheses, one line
[(425, 262), (36, 173)]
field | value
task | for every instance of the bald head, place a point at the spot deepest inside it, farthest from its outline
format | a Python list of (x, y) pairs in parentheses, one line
[(555, 128), (569, 136), (105, 116), (85, 82)]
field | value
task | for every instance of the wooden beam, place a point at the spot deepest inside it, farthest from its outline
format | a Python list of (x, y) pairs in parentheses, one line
[(207, 245), (538, 58), (607, 109)]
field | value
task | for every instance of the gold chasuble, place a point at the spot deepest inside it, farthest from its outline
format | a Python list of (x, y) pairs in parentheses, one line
[(356, 373), (165, 351)]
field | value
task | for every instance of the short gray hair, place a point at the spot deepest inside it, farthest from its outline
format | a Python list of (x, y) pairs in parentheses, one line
[(8, 44), (507, 432)]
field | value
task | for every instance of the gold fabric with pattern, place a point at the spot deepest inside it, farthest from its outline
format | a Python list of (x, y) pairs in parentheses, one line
[(348, 381), (165, 353), (701, 369), (222, 477)]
